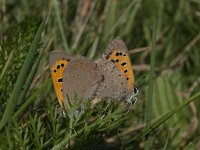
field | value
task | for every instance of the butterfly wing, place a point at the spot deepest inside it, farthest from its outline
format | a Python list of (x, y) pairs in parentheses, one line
[(117, 52), (114, 84), (81, 78), (58, 61)]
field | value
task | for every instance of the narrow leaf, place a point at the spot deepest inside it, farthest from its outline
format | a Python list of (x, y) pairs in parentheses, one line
[(12, 101)]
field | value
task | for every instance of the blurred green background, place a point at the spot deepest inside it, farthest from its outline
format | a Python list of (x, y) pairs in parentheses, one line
[(85, 27)]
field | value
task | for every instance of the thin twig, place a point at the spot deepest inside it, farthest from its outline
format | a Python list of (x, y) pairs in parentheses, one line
[(180, 59), (143, 49), (123, 16), (82, 28)]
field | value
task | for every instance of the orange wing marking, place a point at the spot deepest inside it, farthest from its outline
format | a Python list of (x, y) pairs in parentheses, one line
[(123, 63), (57, 75)]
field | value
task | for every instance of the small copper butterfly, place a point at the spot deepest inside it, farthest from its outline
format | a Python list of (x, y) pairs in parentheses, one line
[(110, 77)]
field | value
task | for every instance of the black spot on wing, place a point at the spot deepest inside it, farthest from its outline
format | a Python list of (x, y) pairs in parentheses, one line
[(107, 56), (113, 60), (125, 71), (123, 64), (58, 67), (60, 79), (62, 65)]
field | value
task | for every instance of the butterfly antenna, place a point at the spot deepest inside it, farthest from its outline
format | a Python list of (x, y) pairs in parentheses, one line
[(141, 82)]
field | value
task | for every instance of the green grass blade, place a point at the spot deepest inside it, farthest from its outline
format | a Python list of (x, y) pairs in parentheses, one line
[(156, 28), (129, 27), (30, 100), (164, 118), (26, 104), (167, 142), (57, 11), (30, 78), (83, 27), (12, 101), (151, 83), (6, 66), (110, 19), (122, 16)]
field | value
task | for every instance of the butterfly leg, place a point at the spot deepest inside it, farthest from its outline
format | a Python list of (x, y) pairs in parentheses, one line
[(132, 100)]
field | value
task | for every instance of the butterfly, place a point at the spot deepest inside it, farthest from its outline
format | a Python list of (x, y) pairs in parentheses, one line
[(110, 77)]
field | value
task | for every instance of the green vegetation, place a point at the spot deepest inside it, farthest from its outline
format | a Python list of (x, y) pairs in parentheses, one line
[(166, 113)]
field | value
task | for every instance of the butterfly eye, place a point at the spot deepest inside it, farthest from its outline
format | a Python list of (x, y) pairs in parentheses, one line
[(136, 91)]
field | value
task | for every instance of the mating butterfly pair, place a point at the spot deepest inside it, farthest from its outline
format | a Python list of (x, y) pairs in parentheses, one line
[(110, 77)]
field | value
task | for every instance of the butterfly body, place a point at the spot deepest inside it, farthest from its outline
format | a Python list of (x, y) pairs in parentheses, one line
[(110, 77)]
